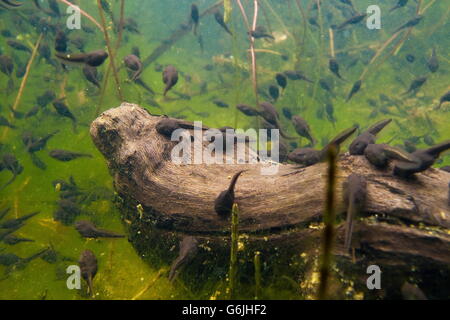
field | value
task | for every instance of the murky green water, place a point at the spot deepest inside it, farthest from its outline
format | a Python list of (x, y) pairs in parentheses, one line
[(224, 66)]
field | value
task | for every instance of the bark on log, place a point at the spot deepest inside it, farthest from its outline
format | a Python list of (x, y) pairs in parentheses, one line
[(406, 221)]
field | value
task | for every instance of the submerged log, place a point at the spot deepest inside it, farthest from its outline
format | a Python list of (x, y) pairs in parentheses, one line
[(405, 225)]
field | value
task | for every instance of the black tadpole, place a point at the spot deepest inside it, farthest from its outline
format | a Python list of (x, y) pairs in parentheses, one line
[(424, 159), (88, 267), (88, 230), (310, 156), (167, 126), (379, 155), (360, 144), (356, 87), (355, 194), (15, 223), (224, 202), (188, 250), (448, 196)]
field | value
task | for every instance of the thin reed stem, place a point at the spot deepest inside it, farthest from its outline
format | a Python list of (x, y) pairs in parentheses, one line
[(116, 50), (234, 250), (428, 6), (378, 53), (27, 72), (257, 263), (329, 220), (278, 18), (252, 44), (121, 24), (332, 53), (160, 273), (25, 78), (305, 24), (320, 48), (103, 90), (110, 51), (396, 48)]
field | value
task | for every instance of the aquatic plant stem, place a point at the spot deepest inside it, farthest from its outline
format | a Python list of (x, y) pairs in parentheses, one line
[(438, 25), (378, 53), (121, 25), (329, 220), (84, 13), (25, 79), (332, 53), (244, 15), (305, 25), (252, 44), (179, 33), (396, 48), (110, 51), (428, 6), (236, 75), (257, 263), (278, 18), (320, 48), (234, 250), (103, 90), (160, 273), (116, 50), (27, 72)]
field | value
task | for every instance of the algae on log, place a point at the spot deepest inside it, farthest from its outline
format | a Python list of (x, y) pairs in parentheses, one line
[(405, 225)]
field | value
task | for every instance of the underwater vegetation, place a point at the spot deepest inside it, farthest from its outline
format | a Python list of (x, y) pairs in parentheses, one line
[(362, 115)]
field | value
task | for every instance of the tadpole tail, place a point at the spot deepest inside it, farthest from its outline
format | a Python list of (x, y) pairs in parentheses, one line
[(36, 255), (225, 27), (174, 268), (234, 180), (136, 75), (4, 212), (351, 213), (394, 8), (37, 161), (376, 128), (85, 155), (313, 141), (398, 154), (144, 85), (195, 29), (438, 149), (9, 182), (90, 286), (28, 216), (166, 89), (284, 135), (74, 125), (108, 234), (341, 137)]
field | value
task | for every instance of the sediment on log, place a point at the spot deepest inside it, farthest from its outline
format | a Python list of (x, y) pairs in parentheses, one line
[(406, 222)]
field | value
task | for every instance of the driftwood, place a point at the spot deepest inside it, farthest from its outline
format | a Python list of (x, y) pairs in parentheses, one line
[(405, 224)]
